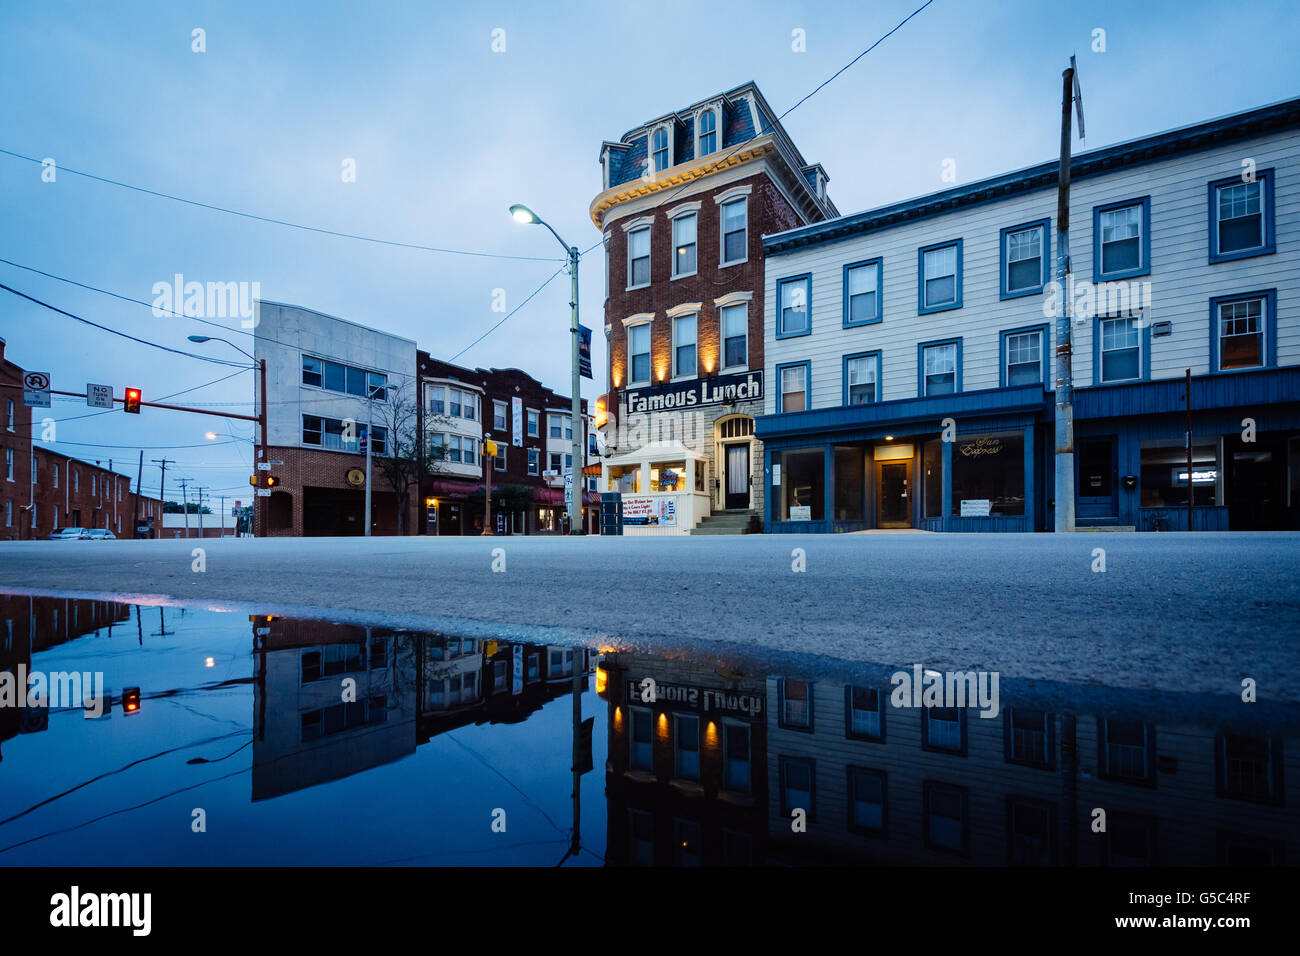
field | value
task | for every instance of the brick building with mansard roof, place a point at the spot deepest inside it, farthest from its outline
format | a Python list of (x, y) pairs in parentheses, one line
[(684, 203)]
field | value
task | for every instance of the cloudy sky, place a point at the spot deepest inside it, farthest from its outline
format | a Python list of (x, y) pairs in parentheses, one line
[(446, 133)]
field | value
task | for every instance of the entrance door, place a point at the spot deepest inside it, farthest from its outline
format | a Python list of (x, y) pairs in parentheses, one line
[(737, 494), (1096, 492), (893, 481)]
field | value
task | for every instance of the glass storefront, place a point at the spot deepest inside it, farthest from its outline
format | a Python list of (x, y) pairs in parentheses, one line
[(803, 485), (668, 476), (625, 478), (850, 483), (1164, 473), (932, 478), (988, 475)]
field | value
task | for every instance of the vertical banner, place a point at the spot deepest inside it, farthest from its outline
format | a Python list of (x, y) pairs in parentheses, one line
[(584, 351), (517, 422)]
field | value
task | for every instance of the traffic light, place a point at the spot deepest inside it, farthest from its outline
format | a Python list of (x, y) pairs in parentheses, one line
[(272, 481), (131, 700), (252, 480), (132, 401)]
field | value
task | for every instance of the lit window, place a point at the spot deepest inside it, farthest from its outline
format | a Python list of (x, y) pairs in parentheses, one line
[(1241, 334), (684, 245)]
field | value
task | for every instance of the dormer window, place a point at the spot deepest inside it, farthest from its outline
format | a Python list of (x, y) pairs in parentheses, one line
[(708, 132), (660, 140)]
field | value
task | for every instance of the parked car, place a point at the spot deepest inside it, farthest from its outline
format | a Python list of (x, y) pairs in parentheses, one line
[(100, 534), (69, 534)]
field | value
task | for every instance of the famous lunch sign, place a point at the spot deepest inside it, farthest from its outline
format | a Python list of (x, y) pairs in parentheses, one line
[(718, 390)]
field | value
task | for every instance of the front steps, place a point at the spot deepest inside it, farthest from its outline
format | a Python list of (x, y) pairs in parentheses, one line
[(734, 522)]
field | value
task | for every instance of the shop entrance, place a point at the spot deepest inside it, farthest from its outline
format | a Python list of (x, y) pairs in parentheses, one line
[(737, 476), (893, 495), (1256, 483), (1096, 493)]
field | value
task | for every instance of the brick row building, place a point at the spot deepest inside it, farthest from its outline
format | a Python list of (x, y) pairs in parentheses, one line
[(42, 490)]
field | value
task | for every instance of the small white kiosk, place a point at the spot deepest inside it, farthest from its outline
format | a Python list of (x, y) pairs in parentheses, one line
[(664, 488)]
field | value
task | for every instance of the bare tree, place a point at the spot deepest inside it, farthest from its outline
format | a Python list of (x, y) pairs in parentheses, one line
[(408, 458)]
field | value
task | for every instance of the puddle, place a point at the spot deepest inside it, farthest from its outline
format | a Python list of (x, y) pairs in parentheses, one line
[(268, 740)]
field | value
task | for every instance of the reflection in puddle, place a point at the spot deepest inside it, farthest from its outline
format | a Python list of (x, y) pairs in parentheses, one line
[(267, 740)]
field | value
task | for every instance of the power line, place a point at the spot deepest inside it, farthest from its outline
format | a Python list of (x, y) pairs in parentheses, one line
[(507, 315), (105, 328), (279, 222)]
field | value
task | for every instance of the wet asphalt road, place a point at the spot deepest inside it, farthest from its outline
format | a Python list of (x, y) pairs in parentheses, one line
[(1193, 613)]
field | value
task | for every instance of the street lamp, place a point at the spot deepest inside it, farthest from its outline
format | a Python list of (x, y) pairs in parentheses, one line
[(259, 510), (523, 214)]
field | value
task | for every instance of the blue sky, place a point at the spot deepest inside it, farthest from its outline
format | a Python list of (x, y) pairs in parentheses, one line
[(446, 134)]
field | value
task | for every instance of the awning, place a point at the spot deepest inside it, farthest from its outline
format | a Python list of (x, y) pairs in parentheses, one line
[(655, 451), (447, 488)]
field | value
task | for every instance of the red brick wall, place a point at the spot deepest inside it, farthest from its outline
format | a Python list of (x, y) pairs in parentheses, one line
[(88, 495), (14, 495), (768, 212), (320, 469)]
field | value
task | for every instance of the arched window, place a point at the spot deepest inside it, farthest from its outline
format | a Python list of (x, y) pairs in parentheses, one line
[(661, 149), (708, 132)]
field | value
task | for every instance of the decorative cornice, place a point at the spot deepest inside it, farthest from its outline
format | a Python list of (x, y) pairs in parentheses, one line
[(733, 298), (686, 308), (753, 151)]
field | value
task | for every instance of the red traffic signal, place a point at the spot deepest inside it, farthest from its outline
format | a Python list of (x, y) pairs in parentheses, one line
[(131, 403), (272, 481), (131, 700)]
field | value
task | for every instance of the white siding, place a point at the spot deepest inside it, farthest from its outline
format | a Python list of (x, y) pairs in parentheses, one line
[(1182, 280)]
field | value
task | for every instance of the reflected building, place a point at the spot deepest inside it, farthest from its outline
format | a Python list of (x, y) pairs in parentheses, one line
[(945, 786), (685, 782)]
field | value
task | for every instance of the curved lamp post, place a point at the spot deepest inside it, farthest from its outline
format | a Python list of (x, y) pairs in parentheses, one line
[(523, 214), (259, 509)]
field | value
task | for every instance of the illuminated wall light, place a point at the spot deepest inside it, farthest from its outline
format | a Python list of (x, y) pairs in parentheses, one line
[(618, 719), (602, 680), (663, 725), (209, 662)]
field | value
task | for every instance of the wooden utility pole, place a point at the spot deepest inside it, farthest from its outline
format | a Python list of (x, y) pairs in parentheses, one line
[(139, 477), (1188, 401), (1064, 488)]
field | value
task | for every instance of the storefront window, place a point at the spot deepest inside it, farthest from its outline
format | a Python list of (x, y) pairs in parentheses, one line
[(803, 485), (1164, 473), (988, 475), (699, 476), (850, 478), (625, 478), (668, 476), (932, 478)]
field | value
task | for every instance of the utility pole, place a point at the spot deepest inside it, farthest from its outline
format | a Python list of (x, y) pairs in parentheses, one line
[(198, 491), (1070, 93), (1188, 399), (370, 427), (139, 477), (185, 506), (162, 486), (223, 516)]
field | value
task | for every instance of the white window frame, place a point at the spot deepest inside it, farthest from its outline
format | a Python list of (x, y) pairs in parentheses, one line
[(926, 352), (726, 198), (649, 255), (1039, 233), (1101, 346), (533, 423), (1006, 359), (721, 305), (504, 410), (1136, 209), (499, 459), (949, 248), (1261, 331), (1261, 194), (676, 216), (534, 461), (802, 369), (871, 362), (716, 132), (654, 149), (631, 328)]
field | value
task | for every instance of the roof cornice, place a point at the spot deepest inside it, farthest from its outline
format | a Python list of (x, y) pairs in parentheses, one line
[(1257, 122)]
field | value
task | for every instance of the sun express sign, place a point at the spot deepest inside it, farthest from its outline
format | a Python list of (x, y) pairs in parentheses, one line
[(719, 390)]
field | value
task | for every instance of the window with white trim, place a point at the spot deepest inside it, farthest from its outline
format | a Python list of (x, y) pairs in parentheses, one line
[(864, 298), (499, 461), (1241, 333), (708, 132), (660, 148), (684, 336), (638, 257), (1239, 214), (499, 415), (1024, 358), (638, 354), (735, 230), (940, 279), (792, 305), (794, 388), (1121, 238), (684, 245), (735, 336), (533, 456), (940, 369), (1121, 349), (1024, 258), (861, 372)]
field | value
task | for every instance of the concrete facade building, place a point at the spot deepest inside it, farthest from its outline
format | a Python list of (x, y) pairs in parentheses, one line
[(318, 370)]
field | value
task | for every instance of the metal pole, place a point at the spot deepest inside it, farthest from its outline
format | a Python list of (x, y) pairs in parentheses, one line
[(1064, 373), (1188, 380), (185, 506), (575, 491), (199, 492), (488, 465), (139, 486), (370, 427), (260, 503)]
